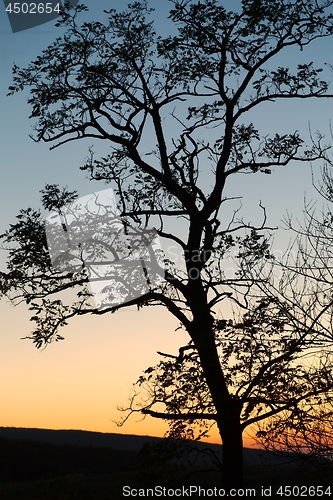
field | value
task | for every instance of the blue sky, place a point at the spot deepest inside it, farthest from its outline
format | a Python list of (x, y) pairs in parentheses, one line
[(25, 168)]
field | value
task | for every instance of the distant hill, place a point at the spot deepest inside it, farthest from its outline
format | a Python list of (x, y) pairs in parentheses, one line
[(79, 438), (42, 464), (128, 442)]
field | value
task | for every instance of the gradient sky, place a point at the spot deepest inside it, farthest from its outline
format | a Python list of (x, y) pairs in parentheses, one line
[(78, 383)]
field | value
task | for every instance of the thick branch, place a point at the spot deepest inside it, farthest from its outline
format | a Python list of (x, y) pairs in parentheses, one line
[(179, 416)]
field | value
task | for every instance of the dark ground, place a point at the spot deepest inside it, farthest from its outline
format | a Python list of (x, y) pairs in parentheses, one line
[(66, 465)]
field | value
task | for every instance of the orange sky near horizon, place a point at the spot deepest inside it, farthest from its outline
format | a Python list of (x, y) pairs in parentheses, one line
[(79, 382)]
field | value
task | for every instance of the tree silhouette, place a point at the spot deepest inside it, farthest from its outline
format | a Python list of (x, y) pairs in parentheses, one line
[(307, 273), (176, 113)]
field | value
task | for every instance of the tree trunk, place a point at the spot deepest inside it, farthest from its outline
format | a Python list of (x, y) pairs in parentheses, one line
[(228, 408), (232, 449)]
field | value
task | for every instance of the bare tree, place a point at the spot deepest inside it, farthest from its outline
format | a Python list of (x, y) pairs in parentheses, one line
[(306, 286), (192, 94)]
